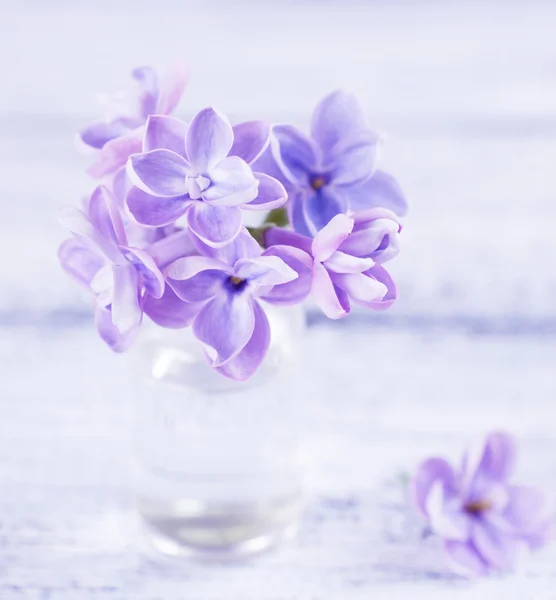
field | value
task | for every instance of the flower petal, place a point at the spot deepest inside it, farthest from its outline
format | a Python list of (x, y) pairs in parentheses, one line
[(376, 238), (197, 278), (340, 262), (154, 211), (526, 508), (79, 261), (250, 140), (297, 290), (172, 83), (264, 270), (232, 183), (250, 358), (214, 225), (147, 78), (299, 155), (491, 457), (297, 215), (118, 342), (360, 288), (126, 307), (353, 160), (144, 264), (158, 172), (284, 237), (162, 132), (381, 275), (270, 163), (169, 311), (447, 519), (171, 247), (97, 134), (270, 194), (105, 215), (428, 473), (326, 294), (329, 238), (381, 190), (464, 559), (336, 117), (209, 140), (320, 207), (497, 549), (225, 324), (115, 154), (242, 246)]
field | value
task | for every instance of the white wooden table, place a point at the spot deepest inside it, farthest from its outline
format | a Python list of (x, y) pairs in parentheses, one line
[(468, 96)]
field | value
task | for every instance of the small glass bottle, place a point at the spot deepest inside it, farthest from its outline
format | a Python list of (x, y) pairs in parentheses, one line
[(219, 469)]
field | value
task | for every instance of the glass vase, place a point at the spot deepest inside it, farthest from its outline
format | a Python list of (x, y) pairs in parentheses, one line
[(218, 464)]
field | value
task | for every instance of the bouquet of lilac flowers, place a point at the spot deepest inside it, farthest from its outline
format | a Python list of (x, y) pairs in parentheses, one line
[(163, 234)]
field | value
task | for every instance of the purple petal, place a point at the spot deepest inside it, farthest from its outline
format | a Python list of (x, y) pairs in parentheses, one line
[(445, 513), (299, 156), (270, 163), (381, 275), (497, 549), (250, 140), (249, 359), (97, 134), (171, 247), (381, 190), (105, 215), (232, 183), (147, 78), (336, 117), (154, 211), (326, 294), (172, 83), (354, 160), (150, 274), (271, 194), (79, 261), (376, 238), (340, 262), (284, 237), (126, 307), (526, 508), (264, 270), (120, 186), (118, 342), (362, 290), (329, 238), (197, 278), (158, 172), (296, 213), (242, 246), (320, 207), (464, 559), (169, 311), (297, 290), (209, 140), (163, 132), (492, 457), (225, 325), (214, 225), (115, 154), (429, 472)]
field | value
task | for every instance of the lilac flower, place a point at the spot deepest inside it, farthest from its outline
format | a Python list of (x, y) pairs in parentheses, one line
[(333, 171), (486, 521), (119, 134), (228, 283), (344, 261), (201, 170), (118, 275)]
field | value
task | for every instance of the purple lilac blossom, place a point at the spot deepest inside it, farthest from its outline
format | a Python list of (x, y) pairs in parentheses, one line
[(202, 170), (120, 133), (343, 261), (118, 275), (334, 171), (227, 284), (486, 521)]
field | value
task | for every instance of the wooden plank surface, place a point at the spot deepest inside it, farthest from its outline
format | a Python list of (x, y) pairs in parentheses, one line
[(467, 95)]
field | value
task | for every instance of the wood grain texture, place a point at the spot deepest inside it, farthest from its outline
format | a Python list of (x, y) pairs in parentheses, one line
[(467, 96)]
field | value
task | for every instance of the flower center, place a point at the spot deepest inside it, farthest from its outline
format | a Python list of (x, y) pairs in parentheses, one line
[(237, 283), (478, 506), (196, 185), (317, 181)]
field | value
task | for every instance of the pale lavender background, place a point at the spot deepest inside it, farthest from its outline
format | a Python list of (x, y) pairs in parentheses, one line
[(466, 93)]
